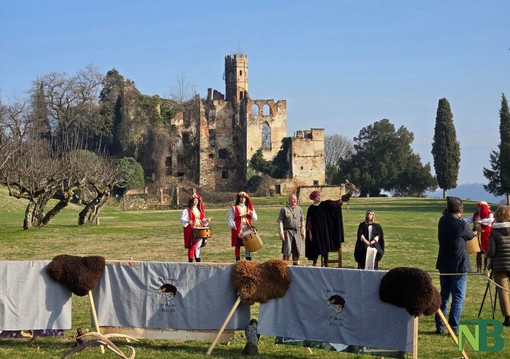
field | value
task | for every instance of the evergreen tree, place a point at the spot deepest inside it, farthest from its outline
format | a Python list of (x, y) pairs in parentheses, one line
[(39, 123), (110, 100), (499, 174), (445, 148), (383, 160)]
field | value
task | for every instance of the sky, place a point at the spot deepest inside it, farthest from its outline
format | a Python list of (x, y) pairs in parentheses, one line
[(341, 65)]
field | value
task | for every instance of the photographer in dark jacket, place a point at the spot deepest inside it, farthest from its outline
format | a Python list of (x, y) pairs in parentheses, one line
[(452, 262), (499, 254)]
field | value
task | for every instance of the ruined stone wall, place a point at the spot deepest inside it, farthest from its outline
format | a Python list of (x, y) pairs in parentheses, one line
[(221, 162), (307, 157), (212, 140), (183, 158), (265, 113)]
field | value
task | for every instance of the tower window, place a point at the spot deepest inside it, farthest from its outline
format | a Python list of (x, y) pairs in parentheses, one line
[(168, 161), (224, 174), (223, 153), (212, 137), (240, 72), (315, 183), (266, 136)]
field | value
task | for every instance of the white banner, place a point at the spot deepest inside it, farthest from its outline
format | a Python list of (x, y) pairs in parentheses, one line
[(162, 295), (337, 306), (30, 299)]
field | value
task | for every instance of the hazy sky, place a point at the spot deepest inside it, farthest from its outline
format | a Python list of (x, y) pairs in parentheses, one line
[(341, 65)]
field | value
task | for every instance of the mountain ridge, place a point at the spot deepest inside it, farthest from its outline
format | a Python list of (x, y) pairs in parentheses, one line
[(470, 191)]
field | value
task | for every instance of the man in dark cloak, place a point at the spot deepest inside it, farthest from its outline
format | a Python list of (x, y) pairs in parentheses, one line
[(324, 226)]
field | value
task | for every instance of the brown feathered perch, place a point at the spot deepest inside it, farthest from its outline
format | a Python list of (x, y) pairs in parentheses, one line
[(260, 282), (256, 283), (410, 288), (78, 274)]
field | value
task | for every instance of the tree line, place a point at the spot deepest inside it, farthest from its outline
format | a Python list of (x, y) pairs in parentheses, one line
[(72, 140), (56, 145), (381, 159)]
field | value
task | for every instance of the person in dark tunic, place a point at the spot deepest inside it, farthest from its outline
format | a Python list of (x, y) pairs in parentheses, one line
[(370, 239), (324, 227)]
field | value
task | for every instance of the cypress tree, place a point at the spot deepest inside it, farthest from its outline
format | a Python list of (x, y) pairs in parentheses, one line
[(445, 148), (499, 175)]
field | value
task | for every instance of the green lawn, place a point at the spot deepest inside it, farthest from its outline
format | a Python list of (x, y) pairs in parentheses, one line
[(411, 240)]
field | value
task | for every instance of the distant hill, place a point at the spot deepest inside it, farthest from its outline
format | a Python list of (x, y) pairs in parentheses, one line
[(473, 192)]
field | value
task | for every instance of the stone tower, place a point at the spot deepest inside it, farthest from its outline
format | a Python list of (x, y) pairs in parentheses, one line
[(236, 78)]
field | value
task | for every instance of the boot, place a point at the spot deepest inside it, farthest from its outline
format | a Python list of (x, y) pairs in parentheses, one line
[(198, 260), (238, 259), (190, 260), (248, 258), (506, 323), (479, 262)]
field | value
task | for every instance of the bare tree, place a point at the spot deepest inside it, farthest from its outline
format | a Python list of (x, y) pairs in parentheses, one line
[(183, 90), (9, 145), (31, 175), (102, 177), (72, 101), (337, 147)]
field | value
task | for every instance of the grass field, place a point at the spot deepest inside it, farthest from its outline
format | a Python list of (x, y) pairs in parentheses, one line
[(410, 227)]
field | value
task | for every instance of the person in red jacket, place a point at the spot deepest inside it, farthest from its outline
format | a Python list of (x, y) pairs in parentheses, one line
[(482, 225), (239, 218), (194, 216)]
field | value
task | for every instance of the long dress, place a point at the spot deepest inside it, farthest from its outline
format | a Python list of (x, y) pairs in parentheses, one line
[(325, 230), (360, 249)]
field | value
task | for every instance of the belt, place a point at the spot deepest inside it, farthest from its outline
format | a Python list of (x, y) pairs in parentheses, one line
[(290, 229)]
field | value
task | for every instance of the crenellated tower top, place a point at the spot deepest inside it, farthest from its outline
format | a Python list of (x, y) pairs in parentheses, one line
[(236, 77)]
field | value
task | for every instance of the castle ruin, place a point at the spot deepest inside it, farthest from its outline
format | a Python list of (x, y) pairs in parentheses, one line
[(217, 136)]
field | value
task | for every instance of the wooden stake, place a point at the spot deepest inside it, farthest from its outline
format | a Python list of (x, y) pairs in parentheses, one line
[(94, 316), (415, 338), (232, 311), (452, 334)]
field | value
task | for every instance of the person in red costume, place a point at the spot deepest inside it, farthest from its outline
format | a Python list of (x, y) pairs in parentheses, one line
[(482, 225), (239, 218), (194, 216)]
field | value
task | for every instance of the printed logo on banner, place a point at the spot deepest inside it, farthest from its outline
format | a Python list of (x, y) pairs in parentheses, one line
[(484, 329), (168, 291), (337, 302)]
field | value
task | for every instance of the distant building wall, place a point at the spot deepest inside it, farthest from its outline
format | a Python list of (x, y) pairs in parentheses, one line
[(307, 157), (266, 127)]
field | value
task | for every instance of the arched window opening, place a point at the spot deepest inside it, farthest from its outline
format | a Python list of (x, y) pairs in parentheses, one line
[(266, 136), (266, 110), (212, 137), (255, 110)]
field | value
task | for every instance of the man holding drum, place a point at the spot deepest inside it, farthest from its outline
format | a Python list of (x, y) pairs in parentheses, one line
[(291, 228), (194, 216), (239, 219)]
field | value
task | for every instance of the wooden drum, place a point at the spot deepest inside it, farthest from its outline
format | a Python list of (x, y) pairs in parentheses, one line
[(251, 240), (202, 232)]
